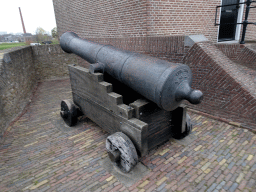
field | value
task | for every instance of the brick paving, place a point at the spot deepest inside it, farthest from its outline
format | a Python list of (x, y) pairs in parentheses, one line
[(40, 153)]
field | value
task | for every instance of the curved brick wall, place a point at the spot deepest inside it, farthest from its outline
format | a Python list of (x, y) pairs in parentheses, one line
[(18, 79), (245, 55), (51, 62), (248, 57), (231, 50), (20, 70), (227, 94)]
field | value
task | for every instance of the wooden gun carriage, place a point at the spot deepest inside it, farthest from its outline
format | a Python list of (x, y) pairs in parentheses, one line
[(123, 98)]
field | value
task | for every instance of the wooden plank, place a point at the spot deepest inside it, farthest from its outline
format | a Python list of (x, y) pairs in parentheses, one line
[(93, 86), (159, 127), (135, 129), (158, 120), (97, 101), (143, 108)]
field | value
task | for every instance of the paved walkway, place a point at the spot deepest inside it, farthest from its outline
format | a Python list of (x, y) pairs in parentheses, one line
[(41, 153)]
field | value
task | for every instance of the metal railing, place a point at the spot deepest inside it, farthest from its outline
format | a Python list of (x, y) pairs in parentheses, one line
[(244, 23)]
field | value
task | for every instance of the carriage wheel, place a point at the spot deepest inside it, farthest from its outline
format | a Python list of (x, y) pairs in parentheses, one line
[(121, 151), (179, 135), (69, 112)]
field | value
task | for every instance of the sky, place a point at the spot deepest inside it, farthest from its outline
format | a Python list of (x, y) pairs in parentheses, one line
[(36, 13)]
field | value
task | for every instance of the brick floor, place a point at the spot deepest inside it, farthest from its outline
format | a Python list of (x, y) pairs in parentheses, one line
[(41, 153)]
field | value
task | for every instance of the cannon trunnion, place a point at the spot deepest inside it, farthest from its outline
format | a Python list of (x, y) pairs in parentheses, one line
[(136, 98)]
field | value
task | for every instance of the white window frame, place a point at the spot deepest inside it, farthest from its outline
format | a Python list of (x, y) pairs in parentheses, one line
[(238, 27)]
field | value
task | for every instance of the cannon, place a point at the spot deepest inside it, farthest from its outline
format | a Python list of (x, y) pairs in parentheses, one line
[(135, 97)]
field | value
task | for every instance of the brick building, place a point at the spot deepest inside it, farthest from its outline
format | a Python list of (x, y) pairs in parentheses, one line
[(135, 18), (225, 72)]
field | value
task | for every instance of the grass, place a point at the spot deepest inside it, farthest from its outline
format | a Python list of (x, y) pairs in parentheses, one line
[(10, 45), (55, 41)]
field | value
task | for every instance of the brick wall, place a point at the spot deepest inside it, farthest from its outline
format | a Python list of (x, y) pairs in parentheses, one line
[(167, 48), (244, 55), (51, 62), (231, 50), (133, 18), (247, 57), (227, 94), (183, 17), (101, 18), (136, 18), (251, 29), (20, 69), (17, 80)]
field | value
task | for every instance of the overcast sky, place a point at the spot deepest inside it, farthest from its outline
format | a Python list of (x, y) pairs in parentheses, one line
[(36, 13)]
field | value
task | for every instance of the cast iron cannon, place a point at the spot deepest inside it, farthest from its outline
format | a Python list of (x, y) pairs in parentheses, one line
[(148, 112), (162, 82)]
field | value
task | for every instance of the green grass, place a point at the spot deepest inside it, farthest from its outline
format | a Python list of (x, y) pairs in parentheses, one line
[(10, 45), (55, 41)]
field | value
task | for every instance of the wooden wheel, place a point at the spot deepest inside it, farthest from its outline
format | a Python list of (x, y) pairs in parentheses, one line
[(69, 112), (121, 151)]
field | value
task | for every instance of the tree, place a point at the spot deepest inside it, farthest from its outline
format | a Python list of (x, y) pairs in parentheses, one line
[(40, 30), (54, 32), (40, 34)]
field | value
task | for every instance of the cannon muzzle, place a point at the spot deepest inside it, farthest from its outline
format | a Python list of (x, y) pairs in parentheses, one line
[(166, 84)]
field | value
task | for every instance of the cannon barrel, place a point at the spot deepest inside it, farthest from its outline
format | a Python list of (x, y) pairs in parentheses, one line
[(160, 81)]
